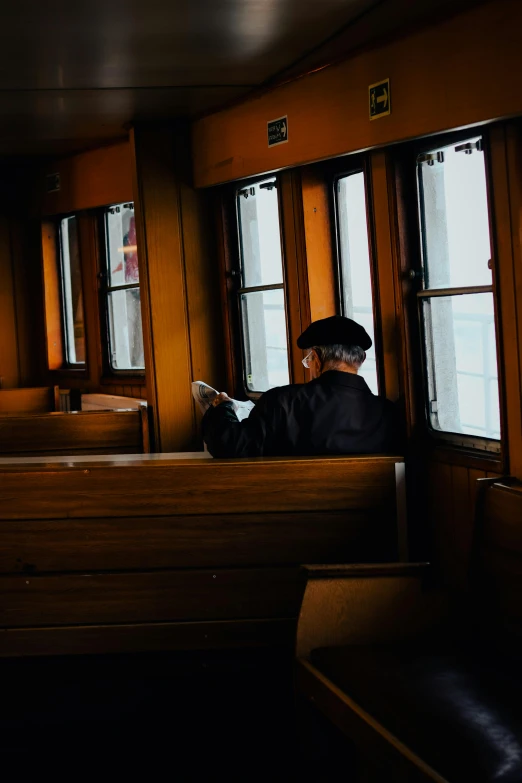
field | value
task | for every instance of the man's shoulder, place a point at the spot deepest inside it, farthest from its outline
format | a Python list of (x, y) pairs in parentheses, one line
[(278, 393)]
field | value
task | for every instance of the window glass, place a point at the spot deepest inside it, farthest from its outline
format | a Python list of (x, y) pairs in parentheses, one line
[(260, 235), (457, 248), (123, 292), (264, 330), (459, 328), (261, 293), (354, 261), (462, 364), (72, 292), (125, 325)]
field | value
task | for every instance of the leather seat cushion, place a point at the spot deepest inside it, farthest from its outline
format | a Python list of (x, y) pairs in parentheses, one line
[(459, 711)]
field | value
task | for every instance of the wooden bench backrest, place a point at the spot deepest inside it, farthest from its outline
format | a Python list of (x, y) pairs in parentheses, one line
[(171, 554), (37, 400), (100, 432), (496, 576)]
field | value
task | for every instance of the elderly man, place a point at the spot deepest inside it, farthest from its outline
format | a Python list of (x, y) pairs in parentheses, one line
[(335, 413)]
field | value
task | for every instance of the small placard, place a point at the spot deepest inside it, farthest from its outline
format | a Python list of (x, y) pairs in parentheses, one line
[(380, 99), (52, 182), (277, 131)]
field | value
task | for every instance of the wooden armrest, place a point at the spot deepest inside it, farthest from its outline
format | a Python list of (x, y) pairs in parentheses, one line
[(357, 570), (366, 604)]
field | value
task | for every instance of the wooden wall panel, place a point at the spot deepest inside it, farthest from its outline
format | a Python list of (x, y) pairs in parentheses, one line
[(389, 305), (164, 296), (328, 111), (320, 255), (202, 281), (90, 179), (180, 296), (296, 281), (9, 363), (27, 274)]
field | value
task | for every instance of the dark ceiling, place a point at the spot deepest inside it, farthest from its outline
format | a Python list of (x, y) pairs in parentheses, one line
[(74, 74)]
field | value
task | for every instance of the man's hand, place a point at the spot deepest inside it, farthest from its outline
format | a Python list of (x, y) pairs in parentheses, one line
[(222, 397)]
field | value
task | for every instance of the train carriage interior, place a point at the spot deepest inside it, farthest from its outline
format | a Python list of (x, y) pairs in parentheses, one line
[(184, 189)]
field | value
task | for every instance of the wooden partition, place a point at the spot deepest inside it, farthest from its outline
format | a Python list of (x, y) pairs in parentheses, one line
[(162, 553), (77, 432), (37, 400)]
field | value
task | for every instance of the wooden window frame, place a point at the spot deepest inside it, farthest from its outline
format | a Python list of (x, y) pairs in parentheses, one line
[(334, 171), (295, 284), (110, 375), (458, 448)]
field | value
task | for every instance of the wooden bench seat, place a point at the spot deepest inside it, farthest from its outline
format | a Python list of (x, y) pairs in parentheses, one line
[(72, 433), (164, 553), (31, 400), (428, 685)]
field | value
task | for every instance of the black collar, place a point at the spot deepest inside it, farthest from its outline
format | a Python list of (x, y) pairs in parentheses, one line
[(338, 378)]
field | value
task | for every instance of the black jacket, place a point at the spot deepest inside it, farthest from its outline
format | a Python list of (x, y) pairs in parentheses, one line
[(333, 414)]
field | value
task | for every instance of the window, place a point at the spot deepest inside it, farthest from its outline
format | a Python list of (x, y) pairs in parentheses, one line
[(72, 294), (456, 301), (122, 290), (354, 262), (261, 293)]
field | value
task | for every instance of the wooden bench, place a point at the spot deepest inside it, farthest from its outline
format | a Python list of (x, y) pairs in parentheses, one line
[(36, 400), (164, 553), (73, 433), (427, 685)]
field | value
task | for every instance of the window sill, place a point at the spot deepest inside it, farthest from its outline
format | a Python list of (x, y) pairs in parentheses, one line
[(468, 458)]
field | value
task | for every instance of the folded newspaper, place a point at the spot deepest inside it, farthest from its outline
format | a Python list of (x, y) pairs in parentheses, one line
[(204, 394)]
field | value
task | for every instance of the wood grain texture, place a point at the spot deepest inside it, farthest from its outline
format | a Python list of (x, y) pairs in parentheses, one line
[(159, 230), (227, 486), (72, 433), (26, 248), (320, 253), (201, 276), (89, 179), (339, 97), (388, 308), (40, 399), (395, 761), (196, 541), (296, 281), (506, 190), (143, 637), (157, 596)]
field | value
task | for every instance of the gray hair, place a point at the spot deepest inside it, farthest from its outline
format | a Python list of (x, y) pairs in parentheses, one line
[(337, 354)]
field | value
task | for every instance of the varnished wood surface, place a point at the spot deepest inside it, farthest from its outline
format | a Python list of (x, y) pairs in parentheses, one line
[(166, 329), (158, 539), (397, 761), (72, 433), (194, 541), (235, 486), (231, 144), (156, 596), (32, 401), (143, 637)]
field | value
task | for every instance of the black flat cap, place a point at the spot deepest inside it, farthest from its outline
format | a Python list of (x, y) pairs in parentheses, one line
[(335, 330)]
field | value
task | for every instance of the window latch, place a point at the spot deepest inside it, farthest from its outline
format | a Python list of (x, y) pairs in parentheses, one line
[(431, 158), (246, 192), (470, 146)]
